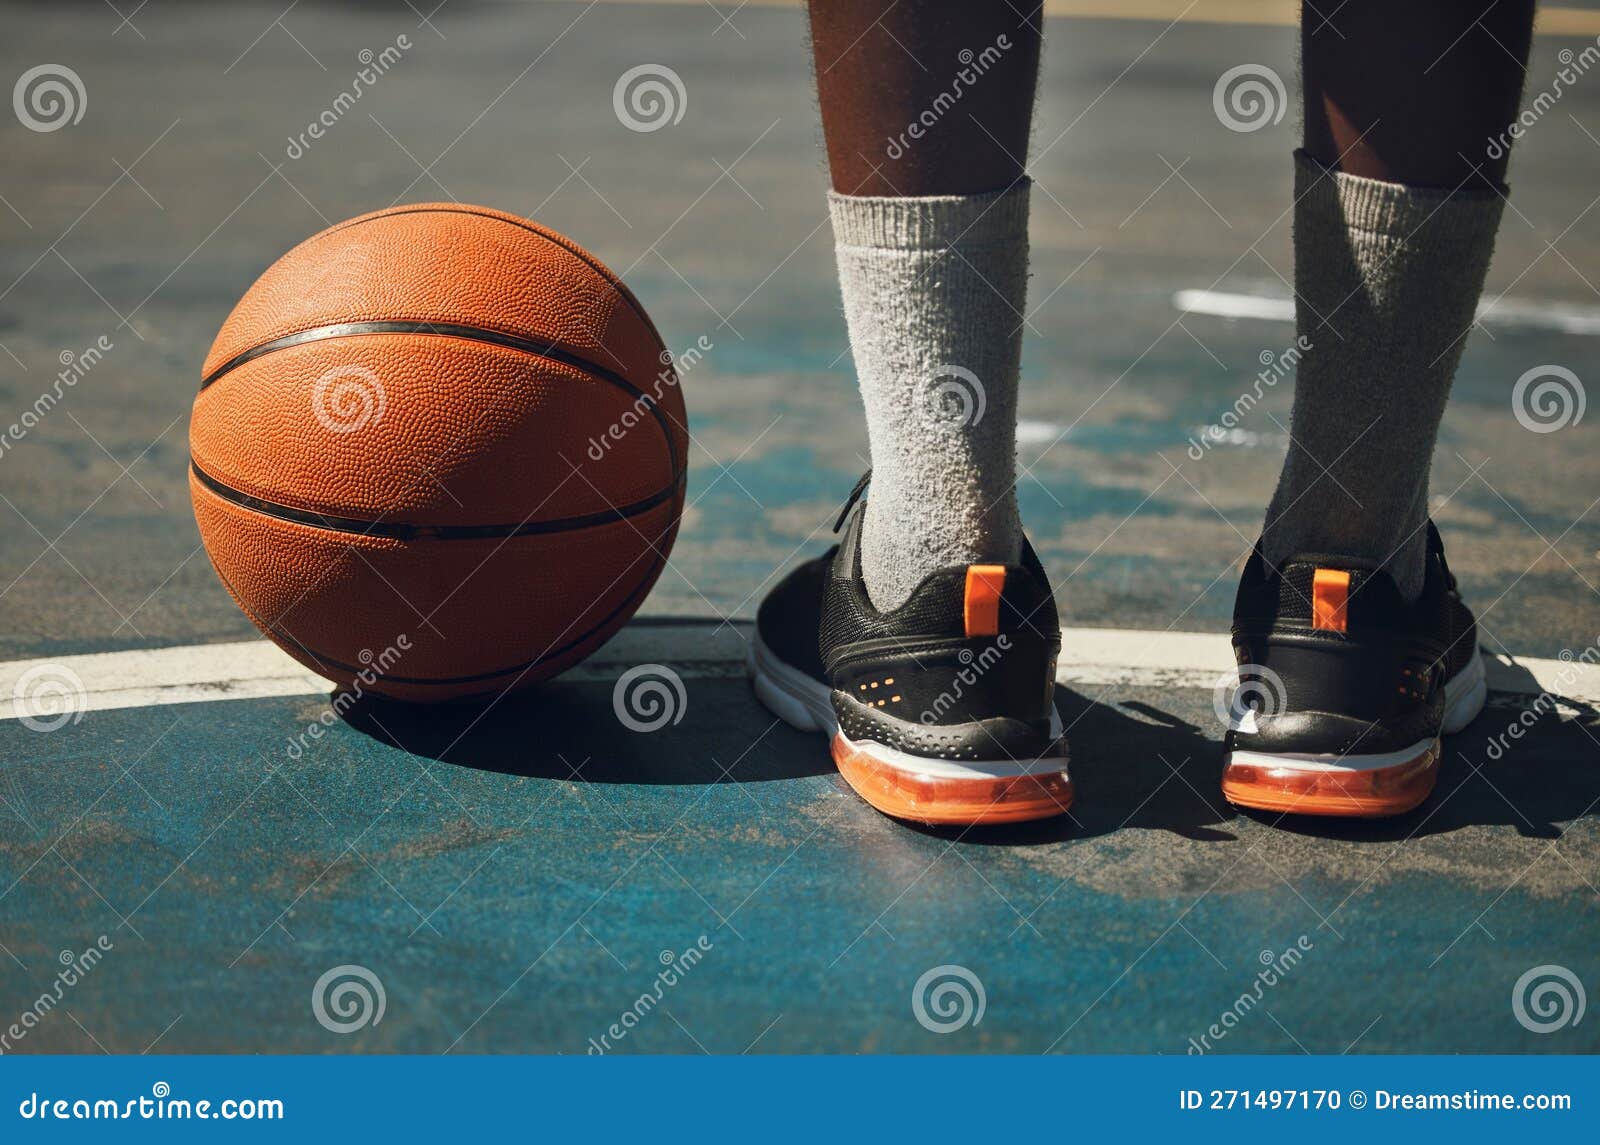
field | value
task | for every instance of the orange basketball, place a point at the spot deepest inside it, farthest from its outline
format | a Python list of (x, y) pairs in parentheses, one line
[(438, 451)]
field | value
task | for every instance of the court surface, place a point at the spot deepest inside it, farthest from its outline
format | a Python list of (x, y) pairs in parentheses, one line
[(517, 879)]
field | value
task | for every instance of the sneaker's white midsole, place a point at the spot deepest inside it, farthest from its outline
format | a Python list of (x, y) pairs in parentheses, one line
[(1330, 761), (790, 694), (921, 765), (1464, 694), (807, 704)]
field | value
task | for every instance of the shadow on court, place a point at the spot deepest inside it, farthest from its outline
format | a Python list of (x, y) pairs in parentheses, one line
[(1547, 777), (569, 730), (1137, 764)]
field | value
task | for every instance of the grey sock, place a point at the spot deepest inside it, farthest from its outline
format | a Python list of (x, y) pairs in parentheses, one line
[(934, 290), (1388, 279)]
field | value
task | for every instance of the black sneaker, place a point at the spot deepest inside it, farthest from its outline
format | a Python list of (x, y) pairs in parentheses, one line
[(939, 711), (1344, 688)]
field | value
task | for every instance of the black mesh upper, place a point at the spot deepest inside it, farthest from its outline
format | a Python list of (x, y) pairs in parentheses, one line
[(1282, 596), (912, 678), (789, 616), (936, 607), (1388, 664)]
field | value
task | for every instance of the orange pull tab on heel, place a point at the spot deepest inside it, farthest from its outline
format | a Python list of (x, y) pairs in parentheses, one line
[(1330, 600), (985, 583)]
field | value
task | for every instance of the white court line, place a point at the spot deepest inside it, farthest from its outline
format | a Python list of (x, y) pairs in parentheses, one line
[(1510, 313), (202, 673)]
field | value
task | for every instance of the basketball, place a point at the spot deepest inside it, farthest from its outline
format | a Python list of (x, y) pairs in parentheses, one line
[(438, 452)]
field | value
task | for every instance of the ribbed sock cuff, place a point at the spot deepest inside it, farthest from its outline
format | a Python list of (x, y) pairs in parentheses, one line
[(931, 222), (1462, 217)]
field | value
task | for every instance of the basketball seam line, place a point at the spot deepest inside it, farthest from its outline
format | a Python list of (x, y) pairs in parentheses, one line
[(403, 531), (454, 330), (632, 600), (533, 228)]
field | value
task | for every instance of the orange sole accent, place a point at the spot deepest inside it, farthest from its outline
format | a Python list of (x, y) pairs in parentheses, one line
[(931, 799), (1347, 794)]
